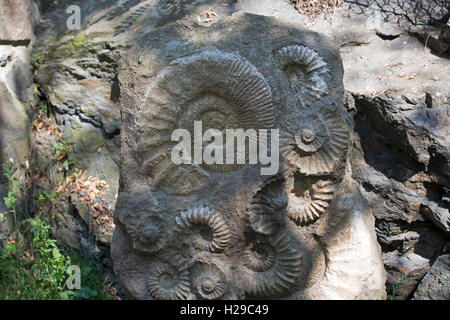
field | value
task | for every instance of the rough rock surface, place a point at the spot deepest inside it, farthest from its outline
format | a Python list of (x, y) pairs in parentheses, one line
[(436, 284), (226, 231), (17, 18)]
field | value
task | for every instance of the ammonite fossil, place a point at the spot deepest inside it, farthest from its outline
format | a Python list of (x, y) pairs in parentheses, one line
[(222, 90), (208, 281), (316, 142), (271, 264), (205, 229), (308, 198), (169, 280), (148, 234), (258, 256), (306, 71), (267, 211)]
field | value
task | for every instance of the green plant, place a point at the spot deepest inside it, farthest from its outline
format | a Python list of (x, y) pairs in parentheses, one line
[(10, 200), (393, 294), (92, 285), (47, 196), (73, 46), (36, 60), (34, 267), (62, 153), (43, 107)]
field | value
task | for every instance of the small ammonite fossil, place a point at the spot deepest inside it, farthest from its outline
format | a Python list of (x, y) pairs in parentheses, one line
[(259, 256), (205, 228), (309, 198), (271, 264), (306, 71), (148, 234), (169, 280), (208, 281), (311, 136), (315, 143)]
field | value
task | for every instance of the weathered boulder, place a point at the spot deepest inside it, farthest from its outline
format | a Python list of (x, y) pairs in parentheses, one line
[(207, 231), (17, 18), (436, 284), (404, 272)]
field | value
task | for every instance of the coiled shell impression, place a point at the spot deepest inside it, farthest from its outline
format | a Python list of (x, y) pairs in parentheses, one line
[(148, 234), (205, 229), (307, 72), (309, 198), (169, 280), (271, 264), (267, 210), (315, 143), (222, 90), (208, 281)]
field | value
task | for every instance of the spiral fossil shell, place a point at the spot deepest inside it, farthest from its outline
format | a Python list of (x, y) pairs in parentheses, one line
[(169, 280), (306, 71), (266, 213), (205, 228), (148, 234), (209, 282), (220, 89), (315, 143), (271, 264), (309, 199)]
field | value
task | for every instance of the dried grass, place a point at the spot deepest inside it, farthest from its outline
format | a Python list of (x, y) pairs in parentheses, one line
[(91, 191), (314, 8)]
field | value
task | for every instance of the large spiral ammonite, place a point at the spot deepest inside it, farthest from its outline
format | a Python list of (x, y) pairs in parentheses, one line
[(222, 90), (316, 142)]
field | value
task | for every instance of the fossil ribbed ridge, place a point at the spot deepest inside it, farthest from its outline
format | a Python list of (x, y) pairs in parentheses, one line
[(307, 72), (217, 88), (320, 150), (196, 222), (148, 234), (271, 265), (308, 203), (169, 280), (209, 282), (267, 210)]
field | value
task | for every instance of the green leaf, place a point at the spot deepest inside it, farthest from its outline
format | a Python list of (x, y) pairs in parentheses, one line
[(56, 253)]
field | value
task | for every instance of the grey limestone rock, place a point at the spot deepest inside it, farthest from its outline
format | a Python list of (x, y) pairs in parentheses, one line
[(225, 231)]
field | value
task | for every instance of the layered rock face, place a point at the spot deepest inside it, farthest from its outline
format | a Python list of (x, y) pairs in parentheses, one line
[(226, 231)]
